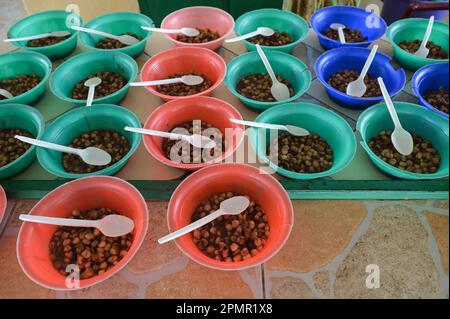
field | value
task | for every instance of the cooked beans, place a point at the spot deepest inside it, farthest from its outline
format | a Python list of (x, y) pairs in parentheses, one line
[(341, 80), (111, 82), (350, 35), (10, 147), (181, 89), (109, 44), (257, 87), (276, 39), (439, 99), (205, 35), (46, 41), (19, 84), (436, 51)]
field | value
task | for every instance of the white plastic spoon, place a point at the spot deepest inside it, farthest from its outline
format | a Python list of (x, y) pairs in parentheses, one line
[(423, 50), (294, 130), (124, 38), (57, 34), (111, 225), (6, 94), (91, 155), (401, 138), (231, 206), (340, 29), (91, 84), (267, 32), (196, 140), (190, 32), (186, 79), (279, 90), (358, 87)]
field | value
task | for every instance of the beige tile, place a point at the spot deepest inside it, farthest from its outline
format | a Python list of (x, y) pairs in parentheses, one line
[(442, 204), (439, 227), (289, 288), (22, 206), (322, 282)]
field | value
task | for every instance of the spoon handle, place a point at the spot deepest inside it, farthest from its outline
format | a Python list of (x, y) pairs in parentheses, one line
[(368, 62), (31, 37), (90, 97), (52, 146), (427, 33), (58, 221), (242, 37), (389, 103), (173, 31), (341, 35), (155, 133), (97, 32), (266, 63), (259, 124), (6, 94), (156, 82), (193, 226)]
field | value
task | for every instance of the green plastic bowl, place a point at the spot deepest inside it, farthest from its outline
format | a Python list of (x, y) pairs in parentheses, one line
[(280, 20), (118, 23), (27, 118), (45, 22), (288, 66), (76, 69), (26, 63), (414, 29), (316, 119), (81, 120), (415, 119)]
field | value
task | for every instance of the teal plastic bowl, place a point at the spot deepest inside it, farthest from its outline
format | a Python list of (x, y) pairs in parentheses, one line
[(119, 23), (76, 69), (27, 118), (415, 119), (288, 66), (81, 120), (280, 20), (414, 29), (26, 63), (45, 22), (316, 119)]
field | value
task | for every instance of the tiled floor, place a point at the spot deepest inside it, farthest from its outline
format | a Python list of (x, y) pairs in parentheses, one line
[(11, 11)]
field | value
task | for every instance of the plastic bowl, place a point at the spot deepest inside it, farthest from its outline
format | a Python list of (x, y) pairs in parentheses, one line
[(415, 119), (199, 17), (282, 21), (414, 29), (45, 22), (119, 23), (87, 193), (370, 25), (81, 120), (430, 78), (338, 59), (78, 68), (263, 189), (214, 111), (288, 66), (315, 119), (3, 202), (25, 63), (184, 60), (27, 118)]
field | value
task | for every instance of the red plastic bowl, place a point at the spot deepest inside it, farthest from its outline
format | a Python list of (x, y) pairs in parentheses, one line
[(200, 17), (84, 193), (263, 189), (3, 202), (211, 110), (184, 60)]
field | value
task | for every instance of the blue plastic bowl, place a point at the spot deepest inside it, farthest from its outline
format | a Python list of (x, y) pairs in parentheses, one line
[(338, 59), (430, 78), (354, 18)]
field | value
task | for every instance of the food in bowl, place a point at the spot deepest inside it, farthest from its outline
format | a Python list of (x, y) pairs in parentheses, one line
[(257, 87), (110, 141), (205, 35), (181, 89), (436, 51), (350, 35), (231, 238), (301, 154), (439, 99), (110, 44), (424, 159), (93, 252), (276, 39), (340, 81), (10, 147), (44, 42), (111, 82), (19, 84)]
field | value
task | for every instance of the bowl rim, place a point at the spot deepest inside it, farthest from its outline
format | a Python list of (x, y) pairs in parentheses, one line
[(4, 203), (112, 271), (199, 45), (235, 265), (246, 100), (300, 107)]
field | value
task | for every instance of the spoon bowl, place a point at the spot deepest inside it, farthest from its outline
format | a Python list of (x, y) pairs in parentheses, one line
[(280, 91), (340, 29), (402, 141), (357, 87), (95, 156), (93, 81), (190, 32), (91, 84), (192, 79), (6, 94)]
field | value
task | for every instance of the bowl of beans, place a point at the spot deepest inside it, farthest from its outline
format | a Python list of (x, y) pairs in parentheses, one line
[(231, 242), (51, 255), (406, 36), (115, 69), (336, 68), (361, 27), (118, 23), (18, 119), (213, 24), (429, 159), (184, 61), (249, 81), (430, 85), (25, 75), (324, 152), (100, 126), (45, 22), (289, 29), (201, 115)]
